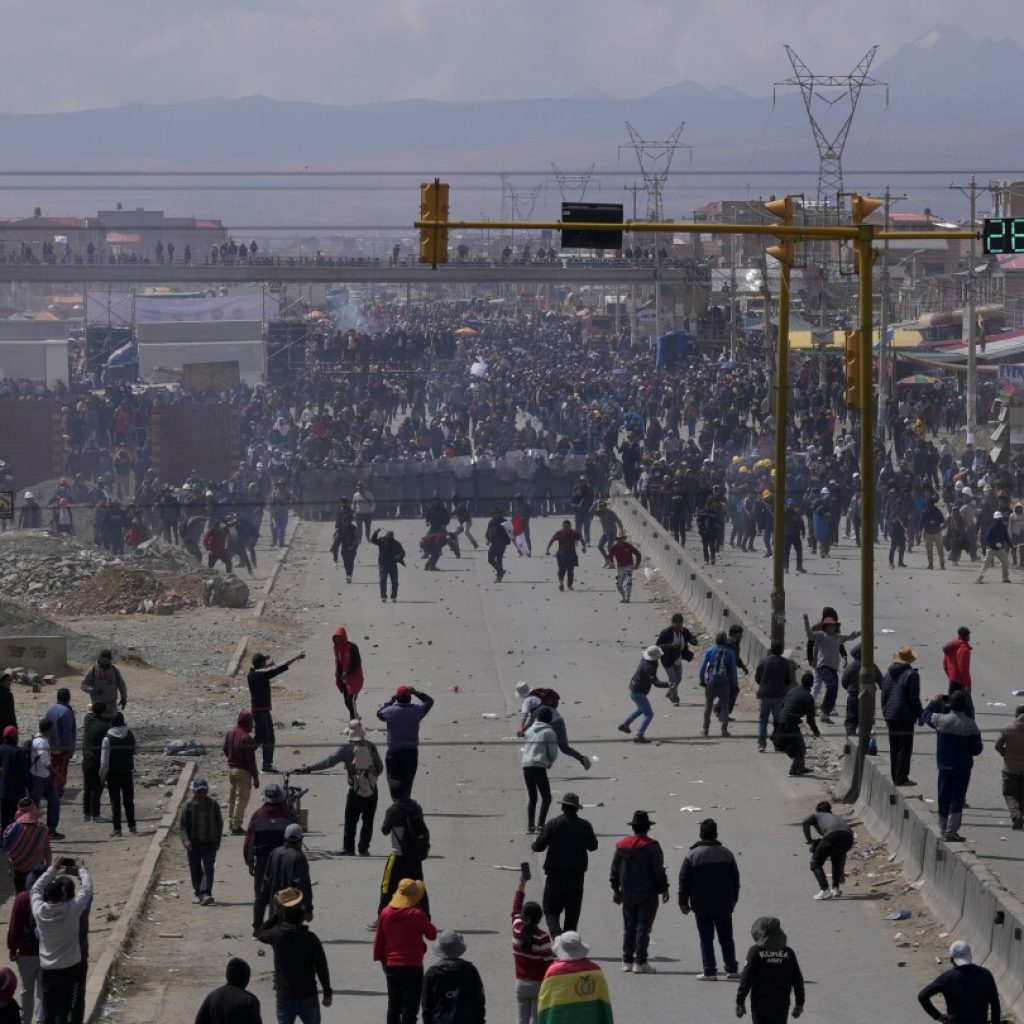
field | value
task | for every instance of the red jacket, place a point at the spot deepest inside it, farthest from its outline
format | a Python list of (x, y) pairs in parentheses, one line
[(400, 934), (529, 966), (624, 555), (240, 747), (348, 664), (215, 541), (956, 662), (21, 932)]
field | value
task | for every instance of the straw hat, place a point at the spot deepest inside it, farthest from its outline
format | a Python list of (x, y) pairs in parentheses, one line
[(906, 655), (410, 891)]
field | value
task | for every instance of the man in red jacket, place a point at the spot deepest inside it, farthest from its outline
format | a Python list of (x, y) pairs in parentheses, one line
[(216, 542), (399, 947), (625, 558), (243, 775), (348, 670), (956, 659)]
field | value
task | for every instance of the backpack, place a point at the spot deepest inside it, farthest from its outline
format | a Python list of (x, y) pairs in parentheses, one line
[(548, 698), (268, 834), (719, 676), (362, 778), (416, 836)]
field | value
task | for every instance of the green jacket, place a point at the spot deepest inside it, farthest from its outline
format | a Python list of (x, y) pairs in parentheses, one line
[(202, 826), (94, 729)]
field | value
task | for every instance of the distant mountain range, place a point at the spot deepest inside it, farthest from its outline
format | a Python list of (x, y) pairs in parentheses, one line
[(954, 106)]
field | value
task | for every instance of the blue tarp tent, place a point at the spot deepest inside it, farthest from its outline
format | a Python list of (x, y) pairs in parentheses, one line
[(673, 346)]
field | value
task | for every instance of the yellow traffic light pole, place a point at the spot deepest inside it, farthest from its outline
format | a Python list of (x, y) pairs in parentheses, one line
[(784, 253)]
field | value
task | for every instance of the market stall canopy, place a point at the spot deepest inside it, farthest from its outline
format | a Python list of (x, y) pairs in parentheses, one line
[(918, 379), (465, 332)]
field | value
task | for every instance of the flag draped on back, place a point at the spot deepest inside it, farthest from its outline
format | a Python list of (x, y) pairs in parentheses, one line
[(574, 992)]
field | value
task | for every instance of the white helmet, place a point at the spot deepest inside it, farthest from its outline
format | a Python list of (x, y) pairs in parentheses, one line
[(967, 492), (28, 495), (824, 492)]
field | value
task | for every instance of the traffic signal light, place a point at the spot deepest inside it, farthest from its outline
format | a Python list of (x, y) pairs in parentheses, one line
[(853, 368), (434, 208), (785, 251), (861, 207)]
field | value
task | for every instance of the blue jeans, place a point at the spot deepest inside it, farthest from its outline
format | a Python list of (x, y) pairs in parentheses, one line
[(44, 789), (769, 706), (643, 710), (201, 860), (563, 739), (675, 677), (829, 679), (307, 1011), (707, 925)]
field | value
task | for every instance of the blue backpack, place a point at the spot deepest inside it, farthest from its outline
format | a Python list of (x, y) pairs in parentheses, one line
[(718, 675)]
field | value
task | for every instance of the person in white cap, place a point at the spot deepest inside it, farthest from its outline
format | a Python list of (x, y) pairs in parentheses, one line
[(997, 541), (452, 989), (363, 767), (30, 515), (574, 989), (645, 676), (969, 990)]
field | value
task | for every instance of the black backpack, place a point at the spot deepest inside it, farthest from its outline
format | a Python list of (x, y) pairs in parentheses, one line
[(416, 836), (548, 698)]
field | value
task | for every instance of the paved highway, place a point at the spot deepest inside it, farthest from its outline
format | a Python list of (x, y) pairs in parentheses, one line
[(923, 608), (456, 628)]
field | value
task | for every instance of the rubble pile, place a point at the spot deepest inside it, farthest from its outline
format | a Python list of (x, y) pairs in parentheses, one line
[(126, 590), (158, 554), (36, 567)]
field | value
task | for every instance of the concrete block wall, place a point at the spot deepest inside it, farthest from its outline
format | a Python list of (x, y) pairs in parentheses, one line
[(958, 887)]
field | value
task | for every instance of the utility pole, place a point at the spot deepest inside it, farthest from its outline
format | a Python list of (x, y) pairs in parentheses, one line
[(883, 328), (970, 311), (969, 317)]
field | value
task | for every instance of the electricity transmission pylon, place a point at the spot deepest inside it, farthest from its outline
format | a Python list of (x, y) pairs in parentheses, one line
[(831, 90), (573, 186), (521, 203), (655, 160)]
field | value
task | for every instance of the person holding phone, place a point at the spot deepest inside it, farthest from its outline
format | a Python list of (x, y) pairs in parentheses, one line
[(531, 949)]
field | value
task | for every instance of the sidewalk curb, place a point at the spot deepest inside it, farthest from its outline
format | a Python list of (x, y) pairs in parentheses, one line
[(100, 971), (957, 886), (237, 655), (261, 604)]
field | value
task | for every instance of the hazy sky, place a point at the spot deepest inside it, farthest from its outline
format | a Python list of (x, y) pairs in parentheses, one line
[(65, 55)]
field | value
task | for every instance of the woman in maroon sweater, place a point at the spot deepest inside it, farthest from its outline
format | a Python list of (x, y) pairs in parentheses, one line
[(531, 947)]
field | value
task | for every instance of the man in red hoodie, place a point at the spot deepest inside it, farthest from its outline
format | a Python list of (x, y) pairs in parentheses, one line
[(399, 947), (638, 878), (348, 670), (240, 750), (956, 660)]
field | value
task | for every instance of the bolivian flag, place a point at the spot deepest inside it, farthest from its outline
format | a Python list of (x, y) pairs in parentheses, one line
[(574, 992)]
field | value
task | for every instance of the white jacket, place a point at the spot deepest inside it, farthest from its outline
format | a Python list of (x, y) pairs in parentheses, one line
[(363, 503), (58, 923), (40, 758)]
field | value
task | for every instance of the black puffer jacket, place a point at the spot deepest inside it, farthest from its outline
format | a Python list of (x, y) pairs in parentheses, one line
[(709, 880), (901, 693), (638, 869)]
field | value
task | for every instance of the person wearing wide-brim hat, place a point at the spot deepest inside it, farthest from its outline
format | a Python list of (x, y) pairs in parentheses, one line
[(770, 976), (645, 676), (568, 839), (637, 879), (901, 709), (264, 834), (398, 947), (452, 988), (574, 989)]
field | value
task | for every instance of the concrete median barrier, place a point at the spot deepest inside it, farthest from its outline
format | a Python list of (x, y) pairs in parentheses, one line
[(945, 885), (959, 889)]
